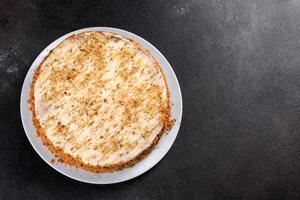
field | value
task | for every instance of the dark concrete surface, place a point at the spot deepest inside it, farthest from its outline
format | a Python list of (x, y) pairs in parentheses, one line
[(238, 64)]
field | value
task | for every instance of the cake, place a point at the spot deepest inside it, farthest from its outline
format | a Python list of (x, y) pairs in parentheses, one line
[(100, 102)]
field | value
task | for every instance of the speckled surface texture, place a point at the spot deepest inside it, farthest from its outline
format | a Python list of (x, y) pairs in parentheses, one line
[(238, 64)]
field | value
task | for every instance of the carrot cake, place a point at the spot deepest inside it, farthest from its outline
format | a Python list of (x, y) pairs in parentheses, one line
[(100, 102)]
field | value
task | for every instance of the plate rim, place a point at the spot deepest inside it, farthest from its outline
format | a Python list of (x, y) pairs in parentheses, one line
[(27, 82)]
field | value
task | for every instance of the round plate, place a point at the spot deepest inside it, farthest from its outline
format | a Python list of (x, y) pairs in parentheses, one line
[(141, 167)]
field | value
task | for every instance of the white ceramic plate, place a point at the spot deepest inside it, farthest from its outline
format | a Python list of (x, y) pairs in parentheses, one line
[(141, 167)]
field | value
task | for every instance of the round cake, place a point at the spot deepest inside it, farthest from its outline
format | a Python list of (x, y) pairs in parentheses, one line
[(100, 101)]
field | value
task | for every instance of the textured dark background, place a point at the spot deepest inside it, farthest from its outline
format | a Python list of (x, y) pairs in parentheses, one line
[(238, 64)]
